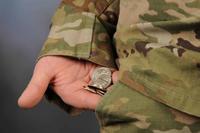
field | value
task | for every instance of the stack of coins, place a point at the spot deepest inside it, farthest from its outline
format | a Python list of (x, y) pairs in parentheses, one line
[(96, 90), (101, 79)]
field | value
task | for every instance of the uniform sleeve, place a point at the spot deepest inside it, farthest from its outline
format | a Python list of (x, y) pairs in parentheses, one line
[(82, 30)]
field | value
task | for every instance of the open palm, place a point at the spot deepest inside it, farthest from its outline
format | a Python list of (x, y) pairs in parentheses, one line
[(68, 78)]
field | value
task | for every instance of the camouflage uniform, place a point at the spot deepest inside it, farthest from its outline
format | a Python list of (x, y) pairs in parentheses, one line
[(155, 44)]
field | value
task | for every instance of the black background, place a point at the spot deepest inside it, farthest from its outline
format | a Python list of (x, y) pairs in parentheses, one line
[(23, 30)]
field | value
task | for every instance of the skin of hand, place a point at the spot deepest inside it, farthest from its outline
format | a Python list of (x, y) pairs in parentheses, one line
[(68, 77)]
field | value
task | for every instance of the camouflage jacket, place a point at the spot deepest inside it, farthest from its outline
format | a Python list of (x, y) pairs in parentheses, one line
[(155, 44)]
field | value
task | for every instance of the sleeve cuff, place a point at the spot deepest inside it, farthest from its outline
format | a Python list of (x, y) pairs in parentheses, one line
[(80, 35)]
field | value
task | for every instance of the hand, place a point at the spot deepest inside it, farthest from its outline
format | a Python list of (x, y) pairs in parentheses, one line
[(68, 78)]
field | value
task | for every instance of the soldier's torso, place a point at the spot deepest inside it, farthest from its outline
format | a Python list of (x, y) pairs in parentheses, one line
[(158, 43)]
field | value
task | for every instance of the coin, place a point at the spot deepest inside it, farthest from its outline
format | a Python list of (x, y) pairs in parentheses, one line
[(100, 71), (101, 77), (101, 93), (100, 80), (95, 90), (91, 90)]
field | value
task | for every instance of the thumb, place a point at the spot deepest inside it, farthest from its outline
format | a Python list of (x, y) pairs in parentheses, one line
[(36, 88)]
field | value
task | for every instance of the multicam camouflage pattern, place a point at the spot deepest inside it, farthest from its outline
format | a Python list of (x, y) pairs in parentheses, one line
[(125, 111), (160, 52), (83, 29), (157, 44)]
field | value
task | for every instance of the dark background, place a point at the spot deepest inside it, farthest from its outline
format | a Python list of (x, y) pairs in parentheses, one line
[(23, 30)]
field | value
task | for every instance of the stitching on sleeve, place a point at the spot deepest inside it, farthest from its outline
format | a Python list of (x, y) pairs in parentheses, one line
[(102, 10)]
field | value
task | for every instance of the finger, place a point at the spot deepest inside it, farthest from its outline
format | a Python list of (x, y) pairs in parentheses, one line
[(79, 98), (90, 99), (35, 89), (115, 76)]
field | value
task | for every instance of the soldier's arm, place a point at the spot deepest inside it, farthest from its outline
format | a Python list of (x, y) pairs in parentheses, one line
[(83, 31)]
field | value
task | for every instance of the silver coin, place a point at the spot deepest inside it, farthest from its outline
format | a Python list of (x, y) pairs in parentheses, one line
[(91, 89), (103, 81), (100, 71), (95, 90), (101, 93), (101, 78)]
